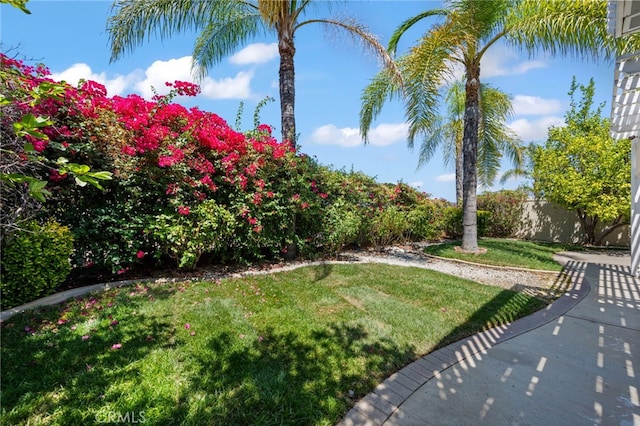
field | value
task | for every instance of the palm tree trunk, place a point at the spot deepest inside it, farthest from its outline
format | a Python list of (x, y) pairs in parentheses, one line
[(287, 51), (470, 154), (459, 169)]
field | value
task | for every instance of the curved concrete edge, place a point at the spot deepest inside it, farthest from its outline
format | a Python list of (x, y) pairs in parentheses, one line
[(81, 291), (376, 407), (69, 294)]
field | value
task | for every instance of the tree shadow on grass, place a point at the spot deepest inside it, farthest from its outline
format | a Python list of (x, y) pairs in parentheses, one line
[(321, 271), (292, 378), (54, 373), (310, 376)]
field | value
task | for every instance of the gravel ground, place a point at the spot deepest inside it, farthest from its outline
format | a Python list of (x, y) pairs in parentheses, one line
[(548, 285)]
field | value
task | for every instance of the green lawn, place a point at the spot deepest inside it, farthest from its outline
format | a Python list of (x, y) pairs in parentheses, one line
[(504, 252), (286, 348)]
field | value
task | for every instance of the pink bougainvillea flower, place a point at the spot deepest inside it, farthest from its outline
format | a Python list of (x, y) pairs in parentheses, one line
[(183, 210), (140, 254), (85, 337), (116, 346), (187, 326), (128, 150), (264, 128)]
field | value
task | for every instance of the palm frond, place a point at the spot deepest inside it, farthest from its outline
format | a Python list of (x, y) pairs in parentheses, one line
[(134, 21), (495, 137), (404, 27), (221, 38), (381, 89), (576, 28), (360, 34), (446, 135), (424, 70)]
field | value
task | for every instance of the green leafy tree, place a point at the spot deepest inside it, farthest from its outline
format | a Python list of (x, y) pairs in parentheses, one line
[(224, 26), (582, 168), (464, 32), (495, 138)]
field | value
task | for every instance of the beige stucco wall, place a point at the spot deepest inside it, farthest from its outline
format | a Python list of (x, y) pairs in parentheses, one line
[(544, 221)]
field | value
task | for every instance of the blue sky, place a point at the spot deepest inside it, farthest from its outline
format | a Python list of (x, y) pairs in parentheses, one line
[(331, 72)]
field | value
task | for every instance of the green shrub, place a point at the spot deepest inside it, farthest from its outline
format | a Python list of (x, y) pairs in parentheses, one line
[(453, 227), (341, 226), (426, 220), (34, 262), (505, 209), (185, 237), (389, 226)]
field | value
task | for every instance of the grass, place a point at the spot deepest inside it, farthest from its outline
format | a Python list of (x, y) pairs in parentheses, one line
[(297, 347), (504, 252)]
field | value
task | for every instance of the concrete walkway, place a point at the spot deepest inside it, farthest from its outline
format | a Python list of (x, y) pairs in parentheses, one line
[(576, 362)]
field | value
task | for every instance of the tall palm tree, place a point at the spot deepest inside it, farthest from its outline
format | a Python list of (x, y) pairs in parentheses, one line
[(225, 25), (494, 139), (464, 32)]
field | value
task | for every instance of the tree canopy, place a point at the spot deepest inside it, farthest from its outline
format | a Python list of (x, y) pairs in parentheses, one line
[(582, 168)]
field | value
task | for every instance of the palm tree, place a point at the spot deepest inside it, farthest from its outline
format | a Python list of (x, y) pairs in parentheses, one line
[(225, 25), (494, 139), (467, 29)]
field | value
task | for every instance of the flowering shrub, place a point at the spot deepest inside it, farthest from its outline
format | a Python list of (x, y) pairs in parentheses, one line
[(170, 164), (185, 184), (35, 116), (505, 209)]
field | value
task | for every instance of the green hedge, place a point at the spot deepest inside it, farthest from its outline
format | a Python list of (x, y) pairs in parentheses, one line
[(453, 227), (34, 261)]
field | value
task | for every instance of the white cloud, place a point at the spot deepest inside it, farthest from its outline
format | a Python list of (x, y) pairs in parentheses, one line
[(388, 134), (500, 61), (82, 71), (159, 72), (535, 130), (238, 87), (382, 135), (329, 134), (534, 105), (449, 177), (257, 53)]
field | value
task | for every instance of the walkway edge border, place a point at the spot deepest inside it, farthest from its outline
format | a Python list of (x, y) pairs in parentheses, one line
[(376, 407)]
